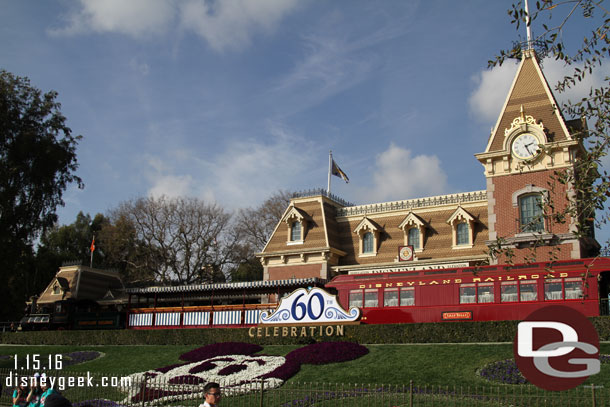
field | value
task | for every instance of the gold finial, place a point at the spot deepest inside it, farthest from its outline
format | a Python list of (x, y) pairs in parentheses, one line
[(522, 113)]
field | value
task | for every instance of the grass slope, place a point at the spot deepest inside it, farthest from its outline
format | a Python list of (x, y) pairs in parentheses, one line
[(385, 364)]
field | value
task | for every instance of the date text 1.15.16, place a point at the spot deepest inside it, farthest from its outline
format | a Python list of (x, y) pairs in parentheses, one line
[(38, 362)]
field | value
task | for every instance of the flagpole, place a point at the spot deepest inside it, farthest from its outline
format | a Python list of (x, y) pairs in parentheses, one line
[(330, 163), (528, 26), (92, 246)]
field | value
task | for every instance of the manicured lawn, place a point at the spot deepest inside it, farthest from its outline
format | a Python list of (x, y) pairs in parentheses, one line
[(385, 364)]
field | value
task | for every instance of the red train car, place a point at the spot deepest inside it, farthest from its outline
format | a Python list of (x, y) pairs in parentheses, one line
[(484, 293)]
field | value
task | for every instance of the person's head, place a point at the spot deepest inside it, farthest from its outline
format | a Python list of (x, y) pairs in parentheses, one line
[(212, 392), (35, 383)]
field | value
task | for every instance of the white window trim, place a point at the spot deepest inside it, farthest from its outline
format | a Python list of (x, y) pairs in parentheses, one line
[(293, 215), (363, 227), (530, 190), (461, 216), (413, 221)]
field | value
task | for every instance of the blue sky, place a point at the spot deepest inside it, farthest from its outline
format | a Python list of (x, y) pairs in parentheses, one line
[(230, 101)]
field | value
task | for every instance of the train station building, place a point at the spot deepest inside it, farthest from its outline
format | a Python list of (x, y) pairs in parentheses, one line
[(320, 235)]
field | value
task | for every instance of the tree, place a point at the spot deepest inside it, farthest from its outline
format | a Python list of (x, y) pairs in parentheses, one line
[(181, 240), (37, 163), (72, 242), (255, 226), (590, 181)]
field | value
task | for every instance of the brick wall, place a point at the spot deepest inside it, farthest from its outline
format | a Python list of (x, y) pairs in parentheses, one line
[(507, 215), (297, 271)]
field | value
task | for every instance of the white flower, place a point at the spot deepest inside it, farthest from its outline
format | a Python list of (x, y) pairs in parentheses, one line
[(242, 381)]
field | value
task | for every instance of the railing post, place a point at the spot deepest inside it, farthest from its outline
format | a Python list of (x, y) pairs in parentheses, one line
[(262, 392), (410, 393), (143, 391)]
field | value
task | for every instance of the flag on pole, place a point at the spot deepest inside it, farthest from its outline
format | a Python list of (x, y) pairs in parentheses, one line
[(92, 249), (338, 172)]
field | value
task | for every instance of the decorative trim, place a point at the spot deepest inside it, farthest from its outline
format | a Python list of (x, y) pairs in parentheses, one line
[(529, 189), (365, 226), (460, 215), (410, 204), (413, 221)]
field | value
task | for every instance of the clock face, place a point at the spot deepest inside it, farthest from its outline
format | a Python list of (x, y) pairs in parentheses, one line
[(405, 253), (525, 146)]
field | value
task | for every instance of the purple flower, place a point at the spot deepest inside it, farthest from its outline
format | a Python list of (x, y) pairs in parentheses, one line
[(317, 354), (73, 358), (231, 369), (217, 349), (504, 371), (166, 369)]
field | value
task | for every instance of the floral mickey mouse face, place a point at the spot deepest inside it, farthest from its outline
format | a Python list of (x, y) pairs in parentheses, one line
[(234, 366)]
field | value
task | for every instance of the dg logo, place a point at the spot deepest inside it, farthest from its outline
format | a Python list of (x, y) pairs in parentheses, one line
[(556, 348)]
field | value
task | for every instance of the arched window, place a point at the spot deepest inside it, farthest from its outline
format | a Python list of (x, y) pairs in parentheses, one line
[(413, 238), (462, 233), (368, 240), (530, 213), (295, 231)]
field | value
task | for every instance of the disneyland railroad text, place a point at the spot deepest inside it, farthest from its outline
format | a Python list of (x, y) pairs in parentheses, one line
[(465, 280)]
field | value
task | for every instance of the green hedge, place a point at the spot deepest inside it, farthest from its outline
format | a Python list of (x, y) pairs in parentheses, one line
[(449, 332)]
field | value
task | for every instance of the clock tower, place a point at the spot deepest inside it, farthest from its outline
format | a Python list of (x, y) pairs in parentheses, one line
[(529, 152)]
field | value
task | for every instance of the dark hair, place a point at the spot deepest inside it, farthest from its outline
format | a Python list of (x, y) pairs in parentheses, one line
[(210, 386)]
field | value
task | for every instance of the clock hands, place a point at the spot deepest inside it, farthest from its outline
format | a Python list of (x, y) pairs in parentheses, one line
[(527, 147)]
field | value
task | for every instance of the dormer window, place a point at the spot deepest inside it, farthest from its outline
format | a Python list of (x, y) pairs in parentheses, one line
[(414, 229), (56, 289), (296, 221), (368, 243), (295, 232), (368, 233), (413, 238), (462, 225), (462, 235)]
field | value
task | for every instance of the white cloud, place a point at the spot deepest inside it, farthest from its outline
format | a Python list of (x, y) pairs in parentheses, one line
[(400, 175), (556, 71), (171, 185), (493, 85), (230, 24), (223, 24), (245, 173), (133, 17)]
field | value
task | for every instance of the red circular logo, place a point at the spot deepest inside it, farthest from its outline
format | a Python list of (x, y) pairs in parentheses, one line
[(556, 348)]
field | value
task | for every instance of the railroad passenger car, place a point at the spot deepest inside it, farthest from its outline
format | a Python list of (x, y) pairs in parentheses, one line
[(486, 293)]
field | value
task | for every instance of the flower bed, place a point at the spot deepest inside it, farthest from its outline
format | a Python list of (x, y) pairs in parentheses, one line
[(234, 366), (507, 372), (74, 358)]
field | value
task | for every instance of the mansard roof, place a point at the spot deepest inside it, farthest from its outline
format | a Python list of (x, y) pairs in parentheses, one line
[(335, 227), (320, 213), (81, 283)]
